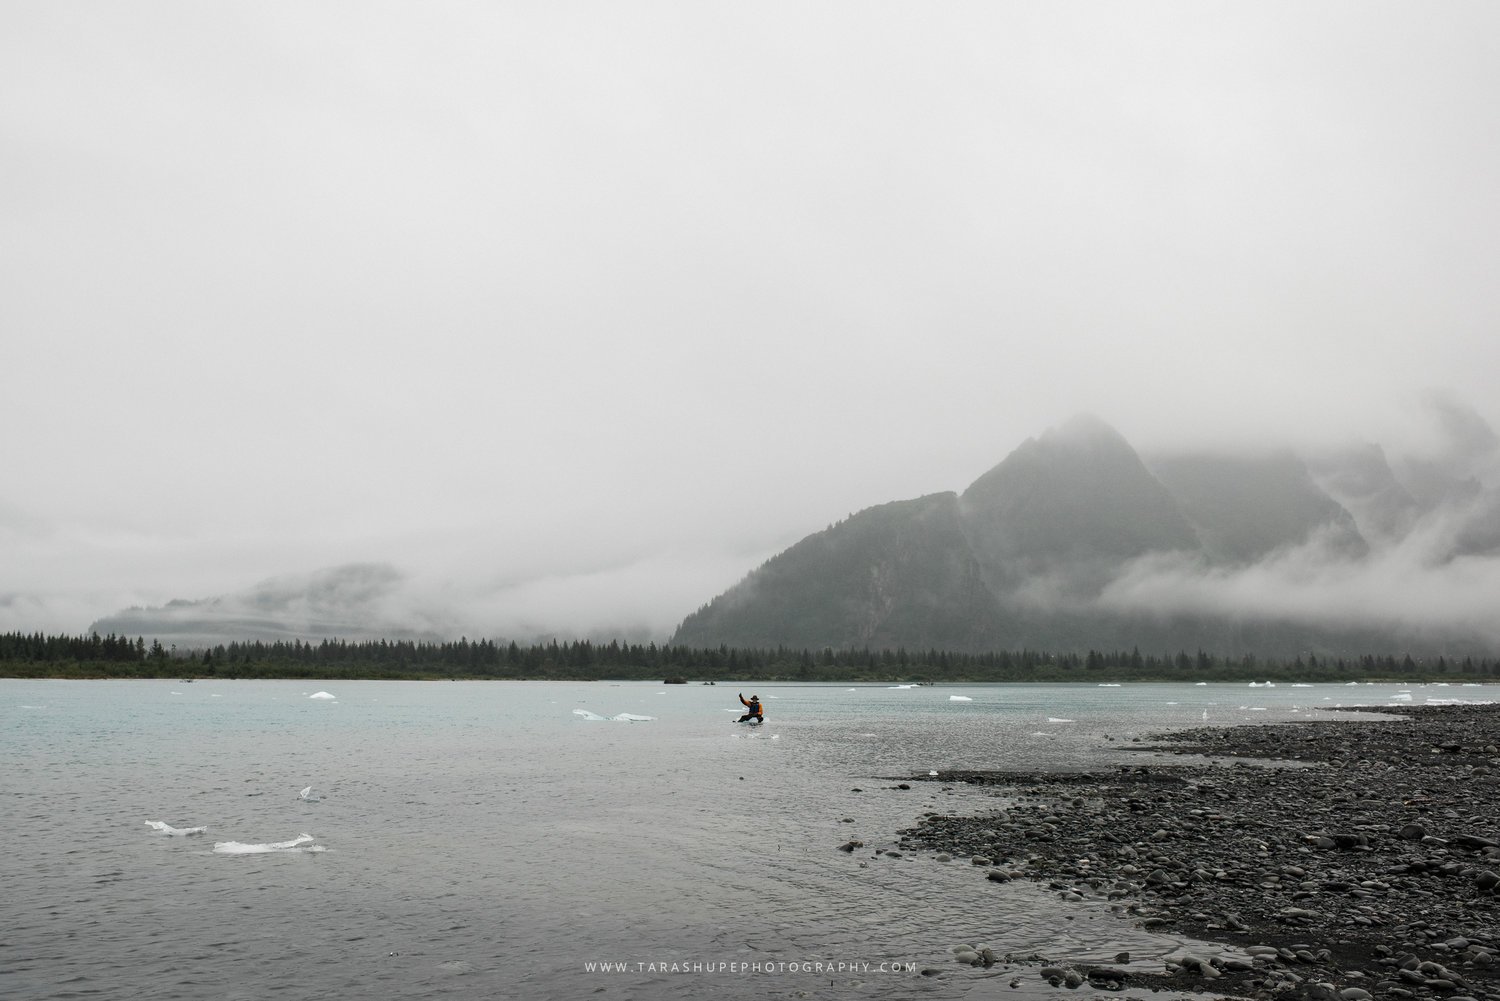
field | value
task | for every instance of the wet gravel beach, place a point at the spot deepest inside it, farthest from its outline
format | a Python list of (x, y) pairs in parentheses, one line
[(1333, 859)]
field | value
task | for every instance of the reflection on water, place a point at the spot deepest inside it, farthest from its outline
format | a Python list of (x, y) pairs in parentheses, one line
[(484, 840)]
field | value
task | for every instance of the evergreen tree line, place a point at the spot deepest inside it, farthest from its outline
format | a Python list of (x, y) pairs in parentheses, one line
[(37, 655)]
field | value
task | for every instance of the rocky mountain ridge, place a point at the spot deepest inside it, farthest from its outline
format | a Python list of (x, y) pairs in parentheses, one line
[(1075, 541)]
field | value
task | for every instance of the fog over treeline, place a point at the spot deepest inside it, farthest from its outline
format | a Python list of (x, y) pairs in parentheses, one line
[(1403, 541)]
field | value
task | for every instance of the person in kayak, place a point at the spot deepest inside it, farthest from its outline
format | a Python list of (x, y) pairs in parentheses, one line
[(753, 712)]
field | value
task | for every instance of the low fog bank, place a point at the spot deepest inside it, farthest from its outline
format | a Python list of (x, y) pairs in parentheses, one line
[(1427, 512), (638, 601)]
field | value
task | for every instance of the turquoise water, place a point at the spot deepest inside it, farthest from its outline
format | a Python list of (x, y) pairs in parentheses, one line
[(483, 840)]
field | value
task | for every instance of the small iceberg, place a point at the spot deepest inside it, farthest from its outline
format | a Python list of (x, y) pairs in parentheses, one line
[(1054, 719), (301, 843), (322, 695), (1109, 684), (617, 718), (176, 832), (959, 698), (893, 688), (306, 795)]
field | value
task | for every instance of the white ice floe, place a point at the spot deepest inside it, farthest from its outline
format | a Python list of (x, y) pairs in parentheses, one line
[(1054, 719), (892, 688), (301, 843), (166, 828), (617, 718), (959, 698), (308, 796), (322, 695), (1109, 684)]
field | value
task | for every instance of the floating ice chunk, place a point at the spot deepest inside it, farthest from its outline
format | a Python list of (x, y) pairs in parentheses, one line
[(1202, 684), (1109, 684), (959, 698), (893, 688), (301, 843), (322, 695), (617, 718), (175, 832), (307, 796), (1054, 719)]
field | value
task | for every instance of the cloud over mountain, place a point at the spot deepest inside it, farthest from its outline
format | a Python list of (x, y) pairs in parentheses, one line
[(1080, 542)]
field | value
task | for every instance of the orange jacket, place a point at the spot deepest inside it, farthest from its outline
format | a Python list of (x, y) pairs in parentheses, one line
[(753, 705)]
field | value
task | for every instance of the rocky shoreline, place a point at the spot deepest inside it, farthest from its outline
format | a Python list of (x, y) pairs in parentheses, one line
[(1361, 862)]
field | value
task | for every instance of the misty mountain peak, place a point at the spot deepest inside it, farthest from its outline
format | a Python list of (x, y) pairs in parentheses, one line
[(1079, 494), (1085, 430)]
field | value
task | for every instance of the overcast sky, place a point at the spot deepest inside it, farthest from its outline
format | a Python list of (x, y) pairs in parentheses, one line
[(578, 311)]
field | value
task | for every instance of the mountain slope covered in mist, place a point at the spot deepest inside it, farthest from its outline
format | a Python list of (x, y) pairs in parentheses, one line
[(1074, 541)]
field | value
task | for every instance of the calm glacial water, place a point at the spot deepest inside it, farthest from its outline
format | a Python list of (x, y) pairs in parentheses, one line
[(484, 840)]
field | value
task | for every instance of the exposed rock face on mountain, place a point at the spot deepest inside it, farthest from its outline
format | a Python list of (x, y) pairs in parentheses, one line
[(1055, 547)]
